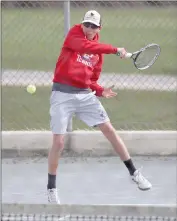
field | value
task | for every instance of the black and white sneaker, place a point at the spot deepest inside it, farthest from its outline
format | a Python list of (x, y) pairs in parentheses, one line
[(53, 196), (141, 181)]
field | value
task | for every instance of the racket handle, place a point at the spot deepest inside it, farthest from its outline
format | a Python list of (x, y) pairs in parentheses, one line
[(128, 55)]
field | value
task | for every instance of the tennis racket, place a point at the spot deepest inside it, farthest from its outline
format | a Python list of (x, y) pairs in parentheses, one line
[(145, 57)]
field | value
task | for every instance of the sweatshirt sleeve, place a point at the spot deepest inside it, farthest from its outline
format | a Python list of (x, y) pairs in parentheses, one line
[(96, 74), (77, 42)]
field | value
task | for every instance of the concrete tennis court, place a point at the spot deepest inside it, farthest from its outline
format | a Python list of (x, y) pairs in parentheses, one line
[(89, 181)]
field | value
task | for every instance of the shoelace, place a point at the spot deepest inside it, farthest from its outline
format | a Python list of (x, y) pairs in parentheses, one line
[(140, 177), (53, 195)]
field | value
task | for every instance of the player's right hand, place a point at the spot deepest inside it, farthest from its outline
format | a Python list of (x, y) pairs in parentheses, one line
[(121, 52)]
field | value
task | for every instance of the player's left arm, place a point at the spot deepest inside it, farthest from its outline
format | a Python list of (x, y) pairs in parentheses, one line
[(100, 91), (96, 74)]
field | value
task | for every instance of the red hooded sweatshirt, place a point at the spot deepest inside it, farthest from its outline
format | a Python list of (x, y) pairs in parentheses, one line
[(80, 61)]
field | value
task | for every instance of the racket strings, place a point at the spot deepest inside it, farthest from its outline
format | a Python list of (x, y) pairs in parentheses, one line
[(146, 57)]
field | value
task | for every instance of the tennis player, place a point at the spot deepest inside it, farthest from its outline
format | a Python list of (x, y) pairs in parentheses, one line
[(75, 91)]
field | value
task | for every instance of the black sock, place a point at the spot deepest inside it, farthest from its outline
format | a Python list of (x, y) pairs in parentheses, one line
[(51, 181), (130, 166)]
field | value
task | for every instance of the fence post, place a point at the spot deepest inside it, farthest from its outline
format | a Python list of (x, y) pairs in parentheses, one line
[(66, 17), (66, 29)]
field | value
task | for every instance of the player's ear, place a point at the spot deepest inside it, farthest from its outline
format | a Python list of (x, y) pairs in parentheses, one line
[(100, 24)]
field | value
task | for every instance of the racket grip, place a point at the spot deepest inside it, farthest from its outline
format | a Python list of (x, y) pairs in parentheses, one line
[(128, 55)]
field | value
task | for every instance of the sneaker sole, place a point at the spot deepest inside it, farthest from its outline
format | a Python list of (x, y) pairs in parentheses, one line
[(141, 188), (54, 203), (144, 189)]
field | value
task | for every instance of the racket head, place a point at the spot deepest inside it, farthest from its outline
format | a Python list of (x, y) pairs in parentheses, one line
[(146, 57)]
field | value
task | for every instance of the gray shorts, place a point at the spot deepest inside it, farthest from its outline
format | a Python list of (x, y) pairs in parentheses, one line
[(86, 107)]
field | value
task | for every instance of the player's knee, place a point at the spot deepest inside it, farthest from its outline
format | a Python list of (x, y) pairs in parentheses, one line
[(58, 141)]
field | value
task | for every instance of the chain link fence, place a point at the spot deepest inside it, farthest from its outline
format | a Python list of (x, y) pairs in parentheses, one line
[(32, 36)]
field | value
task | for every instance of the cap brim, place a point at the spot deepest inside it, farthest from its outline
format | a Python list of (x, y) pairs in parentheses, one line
[(95, 23)]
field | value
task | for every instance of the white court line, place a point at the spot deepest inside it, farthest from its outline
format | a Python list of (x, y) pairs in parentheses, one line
[(64, 218)]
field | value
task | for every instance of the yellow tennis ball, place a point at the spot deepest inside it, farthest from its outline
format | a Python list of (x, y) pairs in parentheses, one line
[(31, 89)]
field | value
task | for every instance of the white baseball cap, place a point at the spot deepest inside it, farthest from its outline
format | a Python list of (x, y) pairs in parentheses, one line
[(93, 17)]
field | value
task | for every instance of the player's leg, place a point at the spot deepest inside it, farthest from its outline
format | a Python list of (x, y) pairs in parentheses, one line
[(93, 113), (53, 158), (54, 155), (119, 146), (61, 110), (110, 133)]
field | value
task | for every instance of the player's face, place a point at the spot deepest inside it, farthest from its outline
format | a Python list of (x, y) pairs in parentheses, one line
[(90, 30)]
